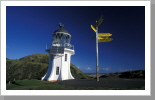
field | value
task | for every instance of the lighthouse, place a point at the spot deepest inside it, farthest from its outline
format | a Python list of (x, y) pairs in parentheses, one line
[(60, 56)]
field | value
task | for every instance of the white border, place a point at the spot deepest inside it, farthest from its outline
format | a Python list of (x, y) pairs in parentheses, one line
[(75, 92)]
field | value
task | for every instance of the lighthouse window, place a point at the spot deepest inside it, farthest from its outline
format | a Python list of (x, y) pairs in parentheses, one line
[(57, 70), (65, 57)]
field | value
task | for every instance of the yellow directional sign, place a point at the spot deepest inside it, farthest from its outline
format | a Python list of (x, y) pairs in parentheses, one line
[(93, 28), (100, 37), (99, 21), (104, 39), (104, 34)]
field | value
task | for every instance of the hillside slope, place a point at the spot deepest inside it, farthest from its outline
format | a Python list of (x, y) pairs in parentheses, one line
[(126, 74), (39, 58), (33, 67)]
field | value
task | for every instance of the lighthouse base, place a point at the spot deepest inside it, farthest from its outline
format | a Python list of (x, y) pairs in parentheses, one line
[(55, 80), (59, 67)]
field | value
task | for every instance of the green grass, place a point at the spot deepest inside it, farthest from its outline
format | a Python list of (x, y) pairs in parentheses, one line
[(35, 84), (44, 85)]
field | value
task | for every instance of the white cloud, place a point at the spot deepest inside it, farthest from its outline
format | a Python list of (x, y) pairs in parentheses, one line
[(105, 69), (88, 69), (123, 70)]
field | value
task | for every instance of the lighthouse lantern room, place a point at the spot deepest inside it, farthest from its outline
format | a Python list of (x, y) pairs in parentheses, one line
[(60, 56)]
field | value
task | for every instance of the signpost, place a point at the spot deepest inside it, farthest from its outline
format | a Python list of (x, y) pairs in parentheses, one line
[(100, 37)]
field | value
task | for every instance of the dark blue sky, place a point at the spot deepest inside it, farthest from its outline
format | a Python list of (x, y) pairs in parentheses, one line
[(29, 30)]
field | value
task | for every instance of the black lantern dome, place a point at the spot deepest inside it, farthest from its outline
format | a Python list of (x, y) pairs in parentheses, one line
[(61, 37)]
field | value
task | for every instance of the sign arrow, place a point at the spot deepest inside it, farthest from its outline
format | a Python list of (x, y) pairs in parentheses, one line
[(104, 39), (104, 34)]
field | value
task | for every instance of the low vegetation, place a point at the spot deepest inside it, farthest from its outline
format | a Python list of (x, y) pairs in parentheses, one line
[(127, 74), (33, 67)]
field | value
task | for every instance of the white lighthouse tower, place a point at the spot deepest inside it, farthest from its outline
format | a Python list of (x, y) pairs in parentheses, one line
[(60, 56)]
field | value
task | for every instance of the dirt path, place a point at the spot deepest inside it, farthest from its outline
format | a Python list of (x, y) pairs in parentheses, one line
[(106, 82)]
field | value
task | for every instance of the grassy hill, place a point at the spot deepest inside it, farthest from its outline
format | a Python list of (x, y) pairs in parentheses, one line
[(38, 58), (127, 74), (34, 67)]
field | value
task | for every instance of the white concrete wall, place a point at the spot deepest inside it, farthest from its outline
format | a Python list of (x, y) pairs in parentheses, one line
[(69, 71), (64, 67), (66, 73), (49, 71), (56, 63)]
